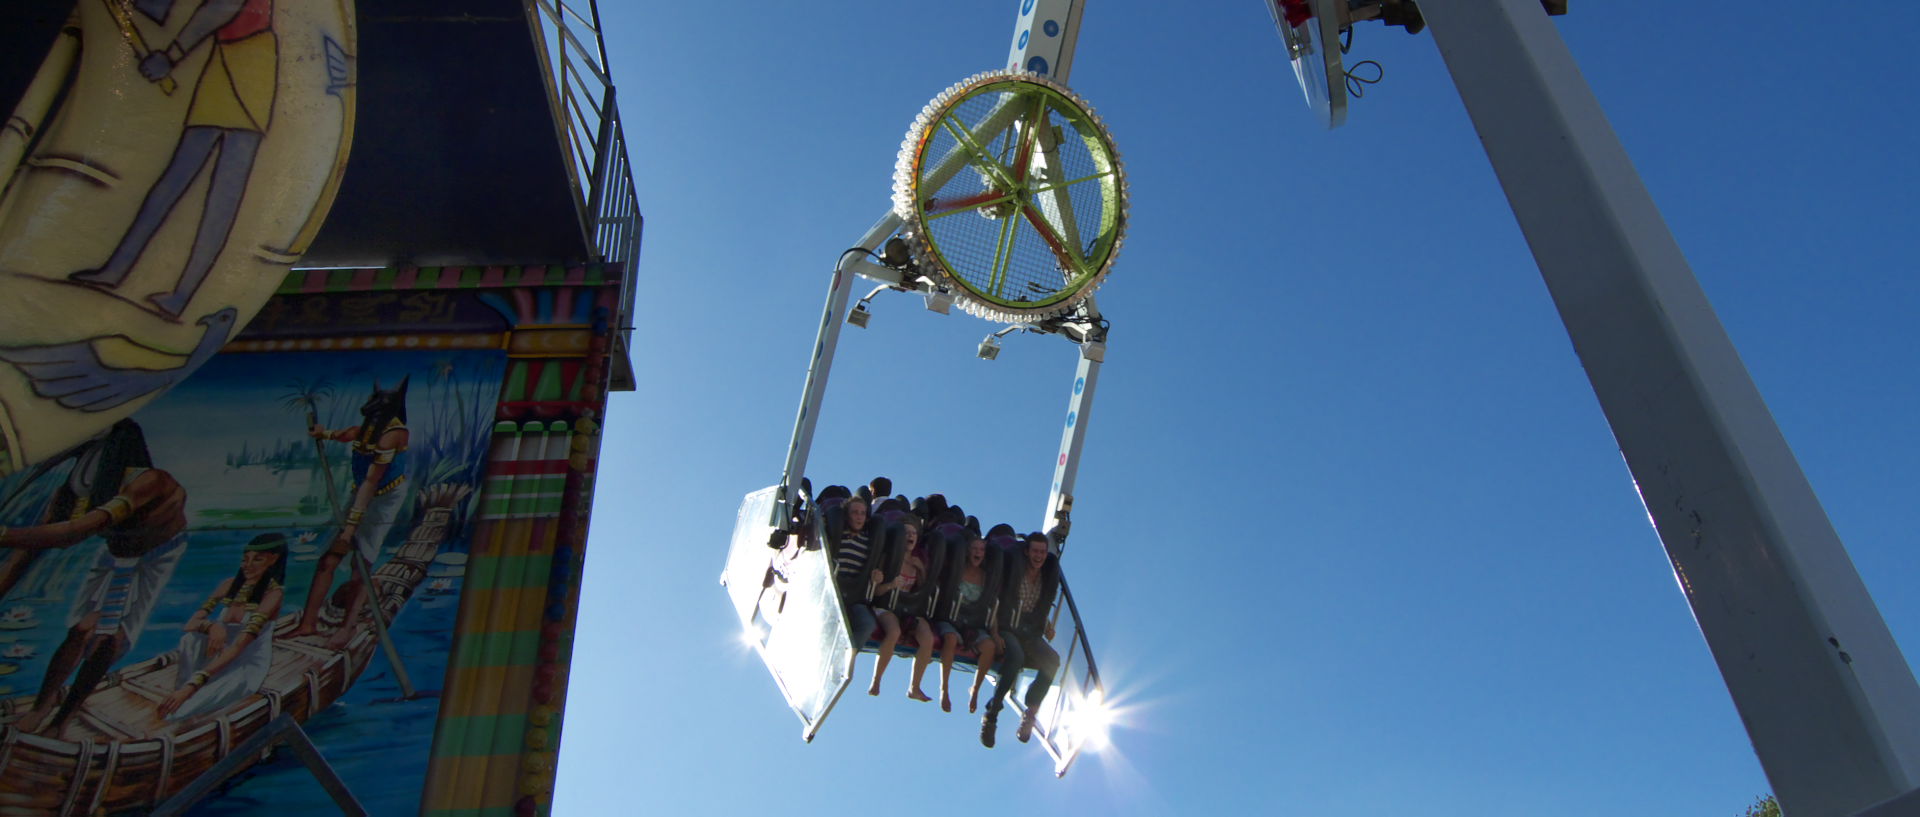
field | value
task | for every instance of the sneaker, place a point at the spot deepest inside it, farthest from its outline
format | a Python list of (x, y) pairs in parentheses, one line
[(988, 725), (1026, 727)]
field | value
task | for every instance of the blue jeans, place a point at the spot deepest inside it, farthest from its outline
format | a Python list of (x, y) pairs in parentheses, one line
[(861, 624), (1024, 651)]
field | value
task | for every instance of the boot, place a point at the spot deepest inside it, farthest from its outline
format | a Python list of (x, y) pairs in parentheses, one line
[(988, 725)]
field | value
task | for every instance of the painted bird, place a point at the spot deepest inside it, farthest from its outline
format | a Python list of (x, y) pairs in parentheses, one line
[(76, 376)]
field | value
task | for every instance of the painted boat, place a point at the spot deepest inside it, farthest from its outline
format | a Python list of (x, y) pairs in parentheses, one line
[(19, 650), (116, 754)]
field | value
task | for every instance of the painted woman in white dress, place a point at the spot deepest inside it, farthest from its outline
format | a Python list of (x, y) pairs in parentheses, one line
[(228, 645)]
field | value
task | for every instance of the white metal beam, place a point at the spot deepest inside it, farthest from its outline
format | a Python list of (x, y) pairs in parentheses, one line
[(827, 340), (1073, 436), (1827, 698), (1044, 37)]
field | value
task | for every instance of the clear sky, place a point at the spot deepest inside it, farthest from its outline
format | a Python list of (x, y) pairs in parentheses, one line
[(1352, 536)]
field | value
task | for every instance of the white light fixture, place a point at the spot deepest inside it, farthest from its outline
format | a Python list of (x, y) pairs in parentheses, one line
[(860, 315)]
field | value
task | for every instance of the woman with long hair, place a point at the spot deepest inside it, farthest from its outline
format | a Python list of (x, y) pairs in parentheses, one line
[(227, 646), (968, 605), (913, 596)]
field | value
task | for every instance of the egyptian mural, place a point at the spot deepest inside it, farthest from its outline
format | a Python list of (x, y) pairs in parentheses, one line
[(246, 513), (366, 513), (194, 150)]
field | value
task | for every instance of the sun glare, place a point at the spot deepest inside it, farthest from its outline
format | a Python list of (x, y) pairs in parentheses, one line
[(1093, 720)]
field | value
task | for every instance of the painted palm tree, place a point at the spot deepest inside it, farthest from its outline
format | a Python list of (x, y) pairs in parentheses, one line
[(306, 396)]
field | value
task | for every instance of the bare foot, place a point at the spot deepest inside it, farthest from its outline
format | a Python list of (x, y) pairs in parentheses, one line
[(874, 690), (946, 704), (919, 696), (31, 722), (338, 640), (973, 701)]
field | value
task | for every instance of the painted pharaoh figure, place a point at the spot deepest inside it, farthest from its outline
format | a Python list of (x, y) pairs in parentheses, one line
[(113, 491), (378, 449), (231, 110)]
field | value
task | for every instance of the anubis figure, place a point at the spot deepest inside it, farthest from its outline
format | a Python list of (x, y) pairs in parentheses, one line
[(379, 449)]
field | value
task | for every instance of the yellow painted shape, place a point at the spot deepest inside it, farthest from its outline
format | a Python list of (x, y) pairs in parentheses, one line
[(478, 678), (236, 88), (503, 604), (469, 767), (72, 199), (548, 342), (121, 352)]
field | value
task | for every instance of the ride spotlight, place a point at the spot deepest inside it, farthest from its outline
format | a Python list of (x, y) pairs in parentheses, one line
[(861, 314), (990, 348), (939, 300), (896, 253)]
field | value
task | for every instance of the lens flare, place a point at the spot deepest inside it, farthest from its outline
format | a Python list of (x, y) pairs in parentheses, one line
[(1093, 720)]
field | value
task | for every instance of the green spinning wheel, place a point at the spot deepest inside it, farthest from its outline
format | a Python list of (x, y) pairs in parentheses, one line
[(1013, 196)]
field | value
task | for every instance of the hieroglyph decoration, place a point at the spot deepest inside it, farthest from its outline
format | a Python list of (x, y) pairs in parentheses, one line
[(151, 214)]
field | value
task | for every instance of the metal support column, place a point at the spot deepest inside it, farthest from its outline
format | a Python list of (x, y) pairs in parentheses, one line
[(282, 729), (1827, 698), (828, 339), (1043, 40), (1073, 436), (1044, 36)]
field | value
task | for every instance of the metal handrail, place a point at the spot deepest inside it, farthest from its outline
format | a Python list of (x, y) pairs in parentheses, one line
[(593, 142)]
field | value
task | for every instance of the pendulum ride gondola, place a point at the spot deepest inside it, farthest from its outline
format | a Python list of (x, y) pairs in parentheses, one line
[(1009, 200)]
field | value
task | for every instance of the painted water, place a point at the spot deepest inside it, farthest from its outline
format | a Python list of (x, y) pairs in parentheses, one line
[(378, 742), (237, 443)]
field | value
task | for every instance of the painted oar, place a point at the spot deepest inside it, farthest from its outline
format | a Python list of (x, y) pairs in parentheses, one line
[(361, 567)]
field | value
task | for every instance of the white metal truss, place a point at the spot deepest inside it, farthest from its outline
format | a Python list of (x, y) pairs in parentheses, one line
[(1827, 698)]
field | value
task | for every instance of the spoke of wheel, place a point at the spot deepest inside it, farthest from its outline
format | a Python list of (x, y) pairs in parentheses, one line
[(1037, 121), (1052, 187), (1069, 258), (1002, 258), (970, 204), (980, 155)]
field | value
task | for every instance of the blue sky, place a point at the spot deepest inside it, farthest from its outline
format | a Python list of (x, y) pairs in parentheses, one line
[(1352, 536)]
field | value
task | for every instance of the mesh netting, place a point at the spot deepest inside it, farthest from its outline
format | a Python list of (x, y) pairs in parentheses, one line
[(1016, 194)]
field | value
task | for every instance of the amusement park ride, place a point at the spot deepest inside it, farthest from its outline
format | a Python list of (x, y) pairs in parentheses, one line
[(1828, 700), (1009, 200)]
